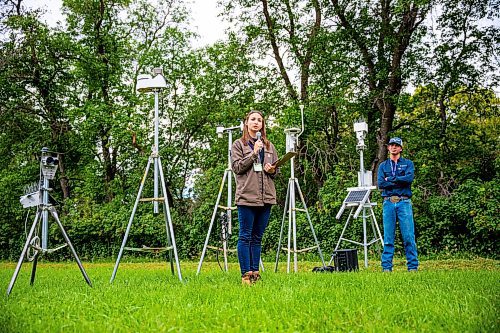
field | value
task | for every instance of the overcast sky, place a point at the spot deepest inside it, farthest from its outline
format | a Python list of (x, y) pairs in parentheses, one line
[(203, 13)]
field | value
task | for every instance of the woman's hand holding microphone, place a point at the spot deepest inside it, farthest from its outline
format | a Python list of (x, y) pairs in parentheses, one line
[(269, 168), (257, 147)]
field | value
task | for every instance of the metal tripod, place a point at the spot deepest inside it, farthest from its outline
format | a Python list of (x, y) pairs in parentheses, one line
[(292, 135), (154, 159), (48, 167), (359, 198), (365, 207), (225, 232)]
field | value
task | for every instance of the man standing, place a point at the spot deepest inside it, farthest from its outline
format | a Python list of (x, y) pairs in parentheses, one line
[(395, 176)]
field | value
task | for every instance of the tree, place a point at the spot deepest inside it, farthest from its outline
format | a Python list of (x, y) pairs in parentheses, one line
[(291, 32), (102, 48), (34, 89), (381, 33), (36, 67), (463, 55)]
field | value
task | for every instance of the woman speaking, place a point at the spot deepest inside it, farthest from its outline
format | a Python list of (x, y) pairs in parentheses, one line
[(252, 158)]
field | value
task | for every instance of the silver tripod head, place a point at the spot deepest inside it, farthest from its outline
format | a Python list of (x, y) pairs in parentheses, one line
[(292, 137), (361, 130), (293, 133), (48, 168), (220, 130), (48, 164), (151, 83)]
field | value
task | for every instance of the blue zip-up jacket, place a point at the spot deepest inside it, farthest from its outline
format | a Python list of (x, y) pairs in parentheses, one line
[(398, 184)]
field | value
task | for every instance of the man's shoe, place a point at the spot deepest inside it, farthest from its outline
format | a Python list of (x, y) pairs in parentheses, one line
[(413, 270), (386, 270)]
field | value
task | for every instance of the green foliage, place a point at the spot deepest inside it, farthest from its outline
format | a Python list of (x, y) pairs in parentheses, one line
[(465, 221)]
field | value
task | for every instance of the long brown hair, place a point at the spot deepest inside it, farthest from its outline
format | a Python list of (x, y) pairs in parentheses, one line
[(245, 137)]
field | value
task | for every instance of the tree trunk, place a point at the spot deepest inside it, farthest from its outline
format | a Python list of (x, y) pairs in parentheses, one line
[(63, 179), (387, 111)]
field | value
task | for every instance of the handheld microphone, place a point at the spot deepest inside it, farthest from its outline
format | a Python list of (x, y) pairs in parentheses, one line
[(259, 137)]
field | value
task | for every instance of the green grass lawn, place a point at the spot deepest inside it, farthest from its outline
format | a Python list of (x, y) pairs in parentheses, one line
[(445, 296)]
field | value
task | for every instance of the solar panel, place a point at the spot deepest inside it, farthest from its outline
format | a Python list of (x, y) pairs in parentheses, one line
[(355, 196)]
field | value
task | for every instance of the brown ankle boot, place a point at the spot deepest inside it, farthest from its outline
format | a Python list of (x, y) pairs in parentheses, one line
[(255, 277), (246, 279)]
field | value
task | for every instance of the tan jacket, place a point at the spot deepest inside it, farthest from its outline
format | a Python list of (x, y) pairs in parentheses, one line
[(253, 188)]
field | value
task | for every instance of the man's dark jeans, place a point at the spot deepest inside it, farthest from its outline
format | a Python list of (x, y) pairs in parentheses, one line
[(403, 212)]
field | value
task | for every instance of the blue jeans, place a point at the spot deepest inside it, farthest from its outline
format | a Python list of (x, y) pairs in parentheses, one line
[(403, 212), (253, 221)]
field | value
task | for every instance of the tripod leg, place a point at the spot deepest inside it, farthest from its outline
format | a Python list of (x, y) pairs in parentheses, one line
[(294, 226), (130, 221), (310, 223), (224, 248), (365, 238), (226, 231), (212, 220), (66, 238), (290, 210), (23, 253), (164, 189), (33, 269), (230, 220), (281, 231), (169, 242), (373, 222), (376, 225), (341, 235)]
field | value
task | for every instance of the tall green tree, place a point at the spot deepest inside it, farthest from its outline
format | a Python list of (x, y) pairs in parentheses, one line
[(381, 33), (291, 33), (36, 71), (102, 47), (464, 52), (35, 91)]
